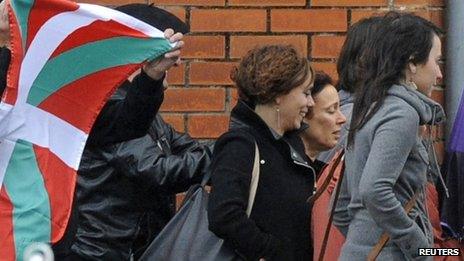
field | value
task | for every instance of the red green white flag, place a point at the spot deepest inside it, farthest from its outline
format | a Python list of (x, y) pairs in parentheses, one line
[(66, 60)]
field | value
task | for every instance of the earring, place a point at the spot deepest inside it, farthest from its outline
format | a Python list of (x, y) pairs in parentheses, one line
[(278, 116), (411, 84)]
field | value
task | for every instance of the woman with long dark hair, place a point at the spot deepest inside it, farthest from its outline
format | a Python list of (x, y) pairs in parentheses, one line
[(275, 81), (349, 75), (386, 160)]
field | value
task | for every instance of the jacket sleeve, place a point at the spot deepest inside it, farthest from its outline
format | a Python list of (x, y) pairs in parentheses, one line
[(143, 160), (230, 178), (342, 218), (392, 143), (125, 119), (182, 142)]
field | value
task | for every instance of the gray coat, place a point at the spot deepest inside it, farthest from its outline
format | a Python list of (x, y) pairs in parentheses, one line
[(384, 168)]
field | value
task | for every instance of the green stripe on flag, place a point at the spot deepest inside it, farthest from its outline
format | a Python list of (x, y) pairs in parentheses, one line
[(26, 188), (22, 9), (70, 66)]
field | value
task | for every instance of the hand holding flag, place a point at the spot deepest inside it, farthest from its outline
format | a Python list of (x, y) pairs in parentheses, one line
[(156, 68)]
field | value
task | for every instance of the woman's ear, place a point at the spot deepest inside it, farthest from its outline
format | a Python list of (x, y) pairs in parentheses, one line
[(412, 67), (277, 100)]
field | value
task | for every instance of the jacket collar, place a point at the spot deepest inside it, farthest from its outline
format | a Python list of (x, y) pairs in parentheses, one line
[(243, 116), (430, 112)]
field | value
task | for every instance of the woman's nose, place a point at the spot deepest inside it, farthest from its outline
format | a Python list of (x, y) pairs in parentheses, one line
[(341, 118), (310, 101)]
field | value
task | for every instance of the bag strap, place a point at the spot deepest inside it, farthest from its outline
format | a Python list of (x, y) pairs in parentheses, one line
[(206, 178), (329, 177), (385, 237), (253, 184), (254, 181), (340, 159)]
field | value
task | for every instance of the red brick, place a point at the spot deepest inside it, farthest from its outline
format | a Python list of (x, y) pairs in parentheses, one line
[(299, 20), (239, 45), (228, 20), (438, 18), (357, 15), (204, 47), (435, 16), (177, 11), (176, 75), (207, 126), (111, 2), (190, 2), (233, 97), (438, 95), (349, 2), (175, 120), (420, 2), (194, 99), (324, 46), (327, 67), (211, 73), (267, 2)]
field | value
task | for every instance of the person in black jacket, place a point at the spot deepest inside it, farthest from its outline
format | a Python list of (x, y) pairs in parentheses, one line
[(126, 191), (274, 85)]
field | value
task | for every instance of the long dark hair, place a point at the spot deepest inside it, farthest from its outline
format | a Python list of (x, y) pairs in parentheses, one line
[(399, 39), (355, 42)]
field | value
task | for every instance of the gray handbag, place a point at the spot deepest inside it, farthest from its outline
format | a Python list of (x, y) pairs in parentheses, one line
[(187, 237)]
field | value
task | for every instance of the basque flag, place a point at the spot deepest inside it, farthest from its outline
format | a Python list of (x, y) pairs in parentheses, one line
[(60, 50)]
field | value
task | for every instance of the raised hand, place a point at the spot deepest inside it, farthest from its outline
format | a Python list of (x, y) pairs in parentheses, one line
[(156, 68)]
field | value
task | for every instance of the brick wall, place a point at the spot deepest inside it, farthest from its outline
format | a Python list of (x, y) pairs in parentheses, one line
[(202, 95)]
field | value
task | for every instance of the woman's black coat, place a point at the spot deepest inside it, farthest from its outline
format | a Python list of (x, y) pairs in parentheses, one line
[(279, 224)]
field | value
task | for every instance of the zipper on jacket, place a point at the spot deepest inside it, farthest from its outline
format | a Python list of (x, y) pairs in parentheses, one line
[(159, 145), (312, 171)]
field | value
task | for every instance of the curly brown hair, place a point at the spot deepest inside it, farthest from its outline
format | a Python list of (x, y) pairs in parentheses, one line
[(268, 71)]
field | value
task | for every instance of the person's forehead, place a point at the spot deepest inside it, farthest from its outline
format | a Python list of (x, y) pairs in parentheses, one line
[(327, 94)]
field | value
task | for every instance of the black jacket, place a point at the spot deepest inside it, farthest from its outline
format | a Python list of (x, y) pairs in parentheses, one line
[(278, 228), (126, 192), (5, 58), (126, 118)]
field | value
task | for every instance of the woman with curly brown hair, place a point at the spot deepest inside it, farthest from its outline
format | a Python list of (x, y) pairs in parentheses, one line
[(274, 85)]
